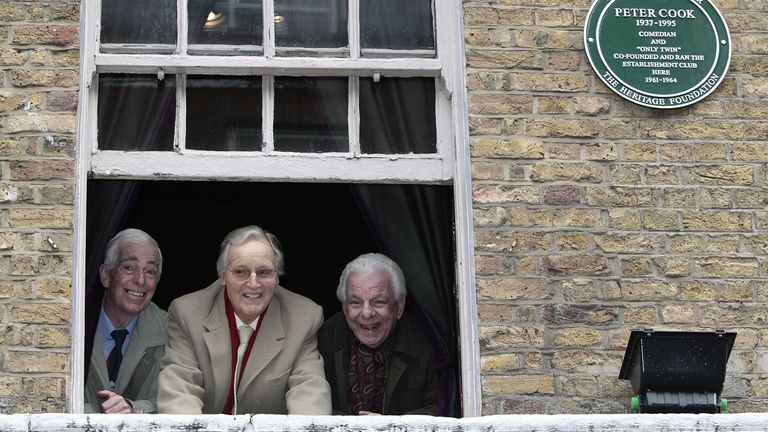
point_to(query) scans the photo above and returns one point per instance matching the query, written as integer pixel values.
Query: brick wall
(595, 216)
(39, 59)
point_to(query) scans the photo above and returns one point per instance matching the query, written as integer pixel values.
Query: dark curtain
(397, 115)
(102, 225)
(401, 216)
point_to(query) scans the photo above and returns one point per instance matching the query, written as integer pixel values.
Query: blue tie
(116, 356)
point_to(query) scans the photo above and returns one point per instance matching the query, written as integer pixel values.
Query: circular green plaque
(658, 53)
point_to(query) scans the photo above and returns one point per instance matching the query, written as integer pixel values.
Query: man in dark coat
(377, 359)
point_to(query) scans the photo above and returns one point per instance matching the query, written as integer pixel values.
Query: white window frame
(451, 163)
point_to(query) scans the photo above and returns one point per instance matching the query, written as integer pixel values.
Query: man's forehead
(369, 277)
(376, 283)
(131, 257)
(374, 290)
(253, 246)
(137, 251)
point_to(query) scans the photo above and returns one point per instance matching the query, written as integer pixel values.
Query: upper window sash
(349, 166)
(348, 28)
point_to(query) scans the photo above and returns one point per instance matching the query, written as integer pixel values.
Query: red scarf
(235, 340)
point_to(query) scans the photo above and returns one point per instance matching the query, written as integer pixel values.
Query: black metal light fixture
(677, 372)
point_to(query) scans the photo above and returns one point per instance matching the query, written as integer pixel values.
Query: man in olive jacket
(377, 359)
(130, 274)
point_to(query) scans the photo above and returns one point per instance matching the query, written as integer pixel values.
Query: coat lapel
(143, 338)
(218, 342)
(98, 365)
(342, 382)
(268, 343)
(341, 352)
(394, 374)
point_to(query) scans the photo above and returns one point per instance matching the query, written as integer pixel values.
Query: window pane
(138, 21)
(396, 24)
(136, 112)
(397, 115)
(229, 22)
(311, 115)
(224, 113)
(311, 23)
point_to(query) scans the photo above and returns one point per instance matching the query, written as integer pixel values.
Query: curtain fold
(400, 216)
(105, 218)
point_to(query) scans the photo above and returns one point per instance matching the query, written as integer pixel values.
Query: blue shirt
(105, 328)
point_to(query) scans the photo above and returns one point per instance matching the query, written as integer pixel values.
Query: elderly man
(244, 344)
(377, 359)
(130, 336)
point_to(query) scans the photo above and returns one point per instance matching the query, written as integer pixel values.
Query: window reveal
(277, 90)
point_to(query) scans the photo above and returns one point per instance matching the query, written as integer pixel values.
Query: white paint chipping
(278, 423)
(34, 113)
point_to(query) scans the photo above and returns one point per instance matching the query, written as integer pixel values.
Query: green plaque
(658, 53)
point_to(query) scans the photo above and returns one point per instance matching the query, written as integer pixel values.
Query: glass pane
(311, 23)
(396, 24)
(229, 22)
(136, 112)
(311, 115)
(224, 113)
(138, 21)
(397, 115)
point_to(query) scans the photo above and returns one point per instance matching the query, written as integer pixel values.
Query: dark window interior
(233, 122)
(138, 21)
(136, 112)
(396, 24)
(321, 228)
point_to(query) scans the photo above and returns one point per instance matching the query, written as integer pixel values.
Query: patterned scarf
(368, 375)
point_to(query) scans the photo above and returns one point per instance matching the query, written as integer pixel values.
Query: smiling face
(250, 278)
(131, 284)
(371, 309)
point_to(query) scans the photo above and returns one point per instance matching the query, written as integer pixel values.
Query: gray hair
(240, 236)
(368, 264)
(129, 235)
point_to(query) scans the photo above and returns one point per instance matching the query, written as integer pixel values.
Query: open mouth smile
(135, 293)
(253, 296)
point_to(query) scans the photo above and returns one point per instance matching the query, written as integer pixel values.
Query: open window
(336, 124)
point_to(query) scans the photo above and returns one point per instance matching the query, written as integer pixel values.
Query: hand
(367, 413)
(114, 403)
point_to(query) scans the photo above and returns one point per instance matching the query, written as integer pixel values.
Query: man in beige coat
(281, 371)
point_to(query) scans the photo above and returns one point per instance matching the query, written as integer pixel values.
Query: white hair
(129, 235)
(370, 263)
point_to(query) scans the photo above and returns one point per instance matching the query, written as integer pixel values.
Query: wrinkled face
(250, 278)
(371, 309)
(132, 283)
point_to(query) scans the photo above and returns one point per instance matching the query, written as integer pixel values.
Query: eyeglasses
(131, 269)
(242, 274)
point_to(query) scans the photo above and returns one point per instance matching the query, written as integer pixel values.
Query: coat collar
(217, 341)
(145, 336)
(268, 344)
(403, 347)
